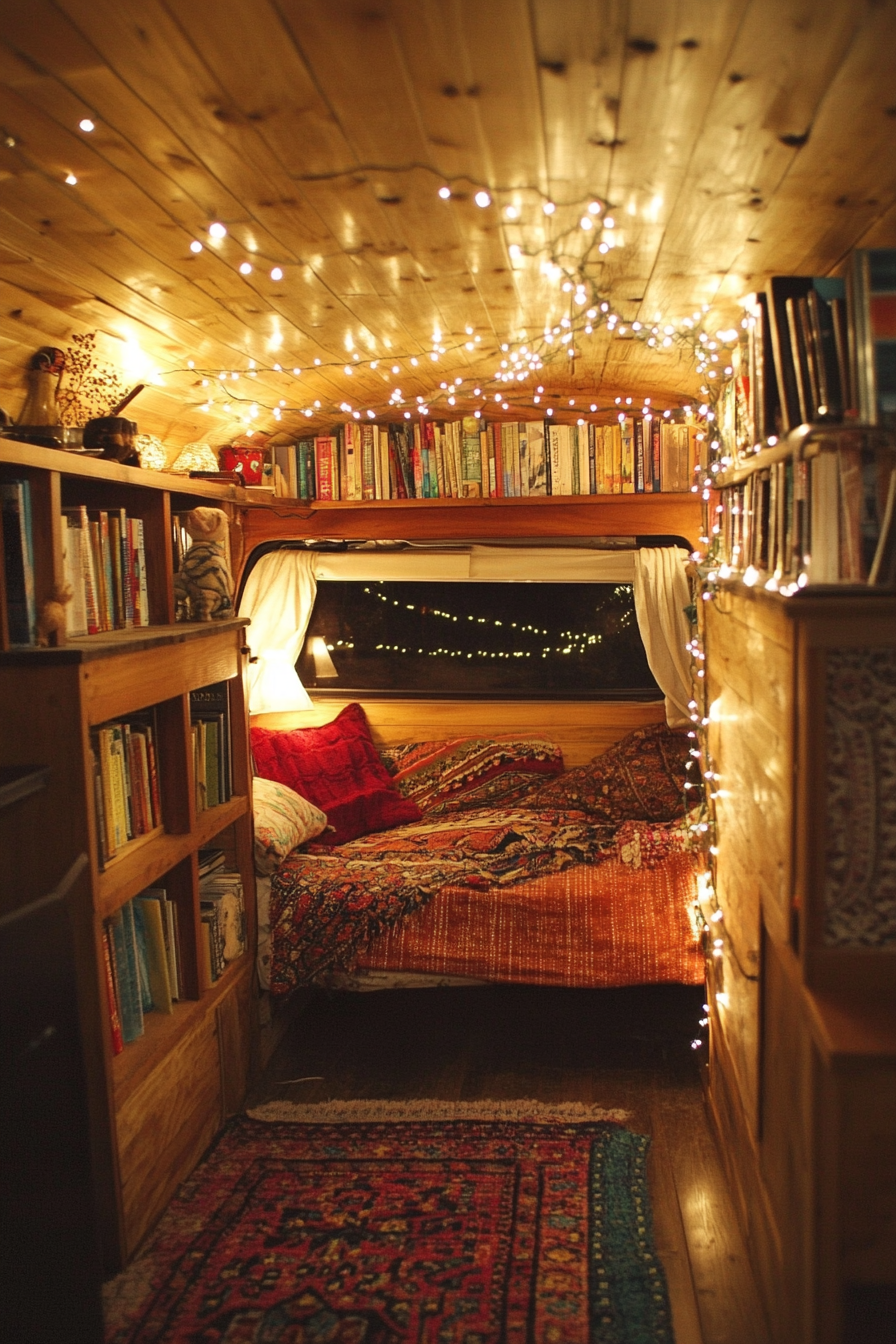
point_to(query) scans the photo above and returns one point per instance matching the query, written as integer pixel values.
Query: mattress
(587, 926)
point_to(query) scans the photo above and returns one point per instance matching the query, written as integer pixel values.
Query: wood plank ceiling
(726, 140)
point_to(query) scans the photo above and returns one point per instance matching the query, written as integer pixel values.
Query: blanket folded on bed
(326, 905)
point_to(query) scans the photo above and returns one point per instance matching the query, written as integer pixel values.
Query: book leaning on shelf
(141, 959)
(470, 458)
(127, 797)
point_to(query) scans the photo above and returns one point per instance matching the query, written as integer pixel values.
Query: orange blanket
(585, 927)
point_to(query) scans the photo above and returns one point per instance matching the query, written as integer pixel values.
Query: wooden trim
(583, 729)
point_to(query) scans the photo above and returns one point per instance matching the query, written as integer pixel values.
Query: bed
(486, 861)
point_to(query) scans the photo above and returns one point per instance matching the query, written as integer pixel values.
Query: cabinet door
(165, 1126)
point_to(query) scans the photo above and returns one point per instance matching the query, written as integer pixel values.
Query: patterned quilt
(326, 904)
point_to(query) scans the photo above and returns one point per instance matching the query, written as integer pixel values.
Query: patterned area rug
(364, 1224)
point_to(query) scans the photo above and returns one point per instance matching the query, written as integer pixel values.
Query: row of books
(18, 562)
(142, 957)
(142, 947)
(823, 518)
(818, 349)
(469, 458)
(210, 741)
(104, 559)
(222, 919)
(127, 796)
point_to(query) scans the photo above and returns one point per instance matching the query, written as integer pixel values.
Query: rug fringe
(359, 1111)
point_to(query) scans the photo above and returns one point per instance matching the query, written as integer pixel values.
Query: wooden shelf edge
(148, 858)
(17, 453)
(162, 1031)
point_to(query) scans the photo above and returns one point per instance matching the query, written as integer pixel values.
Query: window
(482, 639)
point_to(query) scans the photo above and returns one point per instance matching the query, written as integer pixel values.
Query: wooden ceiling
(727, 139)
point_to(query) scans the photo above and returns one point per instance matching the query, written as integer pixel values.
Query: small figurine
(203, 581)
(51, 617)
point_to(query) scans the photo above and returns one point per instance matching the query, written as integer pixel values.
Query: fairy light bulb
(276, 273)
(586, 222)
(71, 180)
(512, 212)
(217, 230)
(445, 193)
(549, 207)
(482, 199)
(594, 208)
(245, 268)
(85, 124)
(195, 246)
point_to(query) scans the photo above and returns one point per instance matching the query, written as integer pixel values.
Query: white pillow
(283, 820)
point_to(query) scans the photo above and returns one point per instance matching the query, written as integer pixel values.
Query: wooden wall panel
(582, 729)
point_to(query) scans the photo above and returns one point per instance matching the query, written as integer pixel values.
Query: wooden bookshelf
(144, 1116)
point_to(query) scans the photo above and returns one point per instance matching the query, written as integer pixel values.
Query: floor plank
(627, 1048)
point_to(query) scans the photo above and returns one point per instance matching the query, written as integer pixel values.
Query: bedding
(337, 768)
(582, 879)
(465, 773)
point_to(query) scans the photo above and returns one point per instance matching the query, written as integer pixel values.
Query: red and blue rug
(469, 1229)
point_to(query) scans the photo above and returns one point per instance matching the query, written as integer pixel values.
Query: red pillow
(337, 768)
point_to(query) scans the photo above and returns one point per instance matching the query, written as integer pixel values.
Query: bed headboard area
(582, 729)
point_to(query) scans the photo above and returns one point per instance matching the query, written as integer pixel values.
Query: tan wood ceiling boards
(727, 139)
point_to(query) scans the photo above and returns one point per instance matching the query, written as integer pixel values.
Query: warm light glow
(72, 180)
(276, 273)
(195, 246)
(549, 207)
(245, 268)
(86, 124)
(482, 199)
(217, 230)
(444, 192)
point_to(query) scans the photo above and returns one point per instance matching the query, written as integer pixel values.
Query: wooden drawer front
(165, 1126)
(118, 685)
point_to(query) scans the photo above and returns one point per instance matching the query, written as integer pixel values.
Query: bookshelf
(156, 1105)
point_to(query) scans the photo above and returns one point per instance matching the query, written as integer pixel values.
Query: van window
(505, 640)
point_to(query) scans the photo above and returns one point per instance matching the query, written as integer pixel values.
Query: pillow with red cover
(470, 772)
(337, 768)
(640, 778)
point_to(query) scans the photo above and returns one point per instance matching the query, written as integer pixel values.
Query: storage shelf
(162, 1031)
(20, 454)
(146, 859)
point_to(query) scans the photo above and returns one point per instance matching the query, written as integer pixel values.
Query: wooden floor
(627, 1047)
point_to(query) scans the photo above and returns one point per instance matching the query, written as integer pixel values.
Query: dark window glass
(503, 639)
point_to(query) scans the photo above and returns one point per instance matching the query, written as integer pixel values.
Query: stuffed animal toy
(203, 580)
(51, 617)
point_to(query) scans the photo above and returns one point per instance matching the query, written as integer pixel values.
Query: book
(127, 977)
(18, 559)
(471, 459)
(535, 453)
(148, 910)
(627, 457)
(871, 297)
(111, 995)
(212, 703)
(73, 570)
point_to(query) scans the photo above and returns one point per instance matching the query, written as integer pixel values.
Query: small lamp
(324, 666)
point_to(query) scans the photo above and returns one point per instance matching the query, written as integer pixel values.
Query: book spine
(592, 459)
(111, 995)
(471, 459)
(639, 455)
(19, 562)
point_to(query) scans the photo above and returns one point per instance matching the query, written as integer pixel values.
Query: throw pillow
(283, 821)
(337, 768)
(471, 772)
(640, 778)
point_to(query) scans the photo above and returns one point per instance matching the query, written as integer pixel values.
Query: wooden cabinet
(155, 1106)
(802, 736)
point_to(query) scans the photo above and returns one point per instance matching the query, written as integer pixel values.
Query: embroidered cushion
(337, 768)
(640, 778)
(283, 821)
(470, 772)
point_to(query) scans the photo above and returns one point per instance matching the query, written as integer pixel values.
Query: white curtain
(662, 592)
(278, 598)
